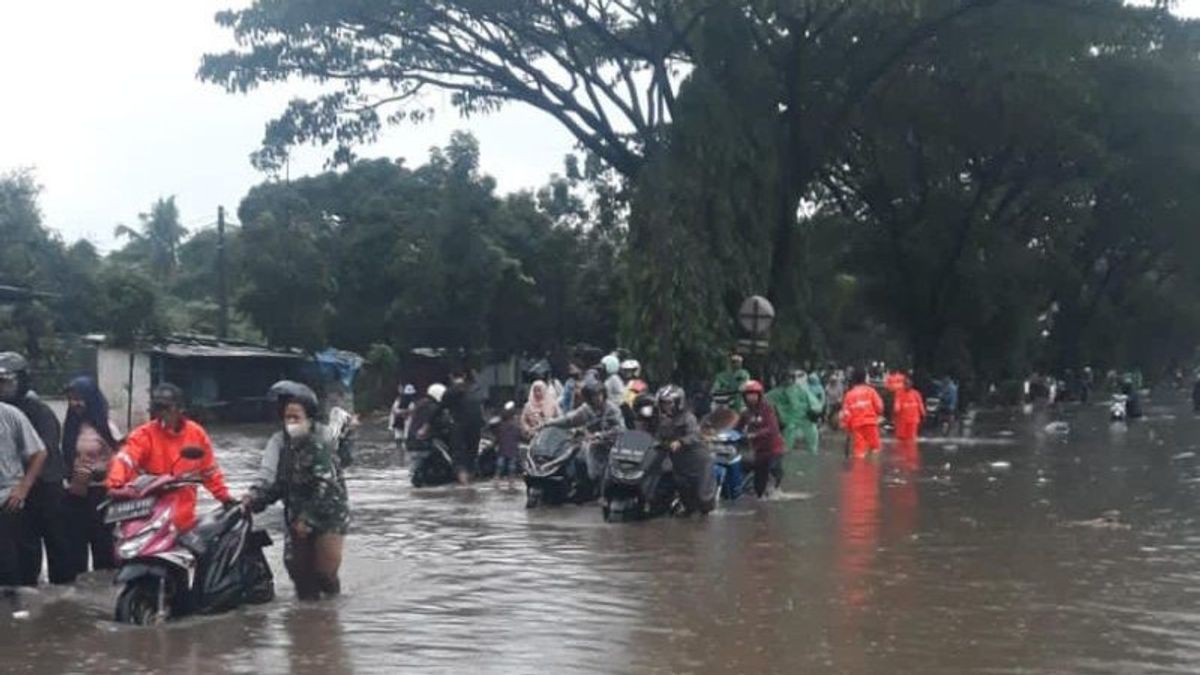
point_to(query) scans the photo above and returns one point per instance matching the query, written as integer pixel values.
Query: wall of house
(113, 376)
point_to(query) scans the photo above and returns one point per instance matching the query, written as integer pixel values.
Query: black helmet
(670, 399)
(594, 392)
(12, 363)
(284, 392)
(166, 395)
(643, 406)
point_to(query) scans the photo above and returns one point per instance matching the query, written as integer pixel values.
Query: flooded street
(1016, 550)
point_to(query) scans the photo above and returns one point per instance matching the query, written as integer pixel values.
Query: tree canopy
(983, 186)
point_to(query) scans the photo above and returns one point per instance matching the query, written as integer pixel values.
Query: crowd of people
(55, 477)
(789, 416)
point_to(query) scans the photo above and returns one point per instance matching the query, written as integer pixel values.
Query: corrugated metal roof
(219, 350)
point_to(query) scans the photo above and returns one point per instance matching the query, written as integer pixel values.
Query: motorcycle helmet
(595, 394)
(436, 392)
(611, 364)
(670, 400)
(631, 366)
(753, 387)
(14, 376)
(284, 392)
(637, 387)
(12, 363)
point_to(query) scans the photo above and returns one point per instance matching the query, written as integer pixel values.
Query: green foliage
(383, 254)
(132, 306)
(155, 244)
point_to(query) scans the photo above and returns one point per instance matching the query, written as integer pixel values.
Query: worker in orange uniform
(860, 415)
(908, 410)
(157, 448)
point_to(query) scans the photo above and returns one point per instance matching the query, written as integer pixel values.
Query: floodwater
(1014, 551)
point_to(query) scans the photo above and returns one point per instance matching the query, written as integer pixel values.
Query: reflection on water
(981, 554)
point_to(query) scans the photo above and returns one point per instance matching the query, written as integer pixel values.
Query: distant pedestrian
(508, 446)
(727, 386)
(401, 418)
(835, 391)
(860, 415)
(572, 396)
(908, 410)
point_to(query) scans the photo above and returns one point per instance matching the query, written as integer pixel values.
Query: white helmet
(436, 392)
(611, 364)
(631, 365)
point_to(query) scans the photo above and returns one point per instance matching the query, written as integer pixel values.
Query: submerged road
(1012, 551)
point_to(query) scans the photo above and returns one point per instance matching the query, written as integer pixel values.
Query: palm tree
(159, 236)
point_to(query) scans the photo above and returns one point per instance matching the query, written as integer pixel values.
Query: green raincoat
(794, 403)
(730, 382)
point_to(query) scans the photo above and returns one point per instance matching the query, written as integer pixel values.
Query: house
(225, 380)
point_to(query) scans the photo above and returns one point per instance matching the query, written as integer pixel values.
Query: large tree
(427, 256)
(608, 71)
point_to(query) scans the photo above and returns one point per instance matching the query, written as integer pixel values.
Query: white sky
(100, 99)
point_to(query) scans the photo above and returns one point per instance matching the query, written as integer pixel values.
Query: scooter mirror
(192, 453)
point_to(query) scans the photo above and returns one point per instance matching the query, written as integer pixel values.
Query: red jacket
(861, 407)
(763, 425)
(908, 406)
(154, 450)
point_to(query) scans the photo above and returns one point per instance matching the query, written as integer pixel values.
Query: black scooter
(550, 467)
(638, 483)
(432, 464)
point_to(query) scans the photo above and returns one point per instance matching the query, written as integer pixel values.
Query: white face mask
(297, 430)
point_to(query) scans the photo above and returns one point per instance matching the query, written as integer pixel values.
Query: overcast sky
(101, 100)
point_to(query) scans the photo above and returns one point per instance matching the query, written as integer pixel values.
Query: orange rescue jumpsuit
(860, 417)
(154, 450)
(908, 409)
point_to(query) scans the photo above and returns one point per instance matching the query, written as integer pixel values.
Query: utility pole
(222, 284)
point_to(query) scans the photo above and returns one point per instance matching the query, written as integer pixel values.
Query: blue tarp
(340, 365)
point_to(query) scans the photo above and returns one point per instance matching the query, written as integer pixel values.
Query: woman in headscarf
(88, 443)
(539, 409)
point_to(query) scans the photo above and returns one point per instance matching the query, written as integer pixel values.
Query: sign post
(756, 316)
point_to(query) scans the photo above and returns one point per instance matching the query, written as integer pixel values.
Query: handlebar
(128, 491)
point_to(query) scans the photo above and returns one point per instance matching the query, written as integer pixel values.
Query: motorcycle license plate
(135, 508)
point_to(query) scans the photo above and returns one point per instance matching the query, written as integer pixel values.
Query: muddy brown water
(1013, 551)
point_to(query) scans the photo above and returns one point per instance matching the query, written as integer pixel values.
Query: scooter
(551, 468)
(215, 567)
(638, 483)
(729, 474)
(432, 464)
(1118, 408)
(725, 442)
(485, 459)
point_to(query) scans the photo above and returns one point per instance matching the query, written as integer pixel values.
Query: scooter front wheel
(533, 497)
(138, 603)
